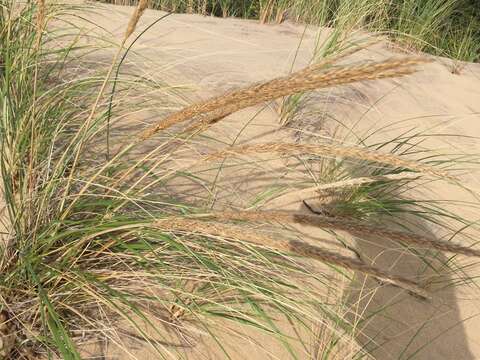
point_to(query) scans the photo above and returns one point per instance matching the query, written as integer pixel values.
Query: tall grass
(435, 26)
(98, 250)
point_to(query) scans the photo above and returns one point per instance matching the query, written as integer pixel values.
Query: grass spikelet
(310, 78)
(41, 13)
(331, 150)
(294, 246)
(137, 14)
(353, 227)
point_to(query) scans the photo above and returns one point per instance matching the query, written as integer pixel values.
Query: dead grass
(90, 249)
(344, 224)
(333, 151)
(132, 24)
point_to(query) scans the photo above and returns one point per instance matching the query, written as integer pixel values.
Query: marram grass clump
(97, 251)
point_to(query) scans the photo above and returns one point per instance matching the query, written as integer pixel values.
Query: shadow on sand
(392, 324)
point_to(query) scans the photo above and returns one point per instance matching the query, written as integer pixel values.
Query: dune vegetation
(448, 28)
(97, 247)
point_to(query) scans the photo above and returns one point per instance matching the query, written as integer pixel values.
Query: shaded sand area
(205, 56)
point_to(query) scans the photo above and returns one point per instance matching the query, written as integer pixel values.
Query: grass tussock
(345, 224)
(97, 250)
(293, 246)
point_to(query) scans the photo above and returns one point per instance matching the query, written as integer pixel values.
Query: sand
(205, 56)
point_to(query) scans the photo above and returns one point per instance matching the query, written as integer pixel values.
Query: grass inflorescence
(448, 28)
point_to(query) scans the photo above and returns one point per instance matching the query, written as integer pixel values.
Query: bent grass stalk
(107, 257)
(294, 246)
(309, 78)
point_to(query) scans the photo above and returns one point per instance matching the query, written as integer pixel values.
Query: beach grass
(96, 249)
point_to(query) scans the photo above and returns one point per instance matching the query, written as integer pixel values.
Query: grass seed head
(310, 78)
(137, 14)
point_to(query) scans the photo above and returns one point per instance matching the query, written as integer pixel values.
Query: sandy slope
(208, 56)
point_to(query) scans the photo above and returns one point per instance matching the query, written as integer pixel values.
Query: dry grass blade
(307, 79)
(137, 14)
(7, 335)
(331, 150)
(294, 246)
(88, 261)
(343, 224)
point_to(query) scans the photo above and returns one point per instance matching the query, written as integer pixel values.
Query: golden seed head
(137, 14)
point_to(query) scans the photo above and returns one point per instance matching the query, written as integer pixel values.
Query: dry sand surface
(207, 56)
